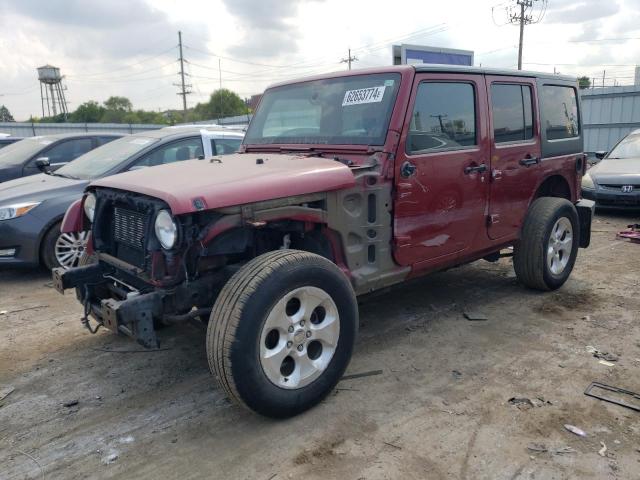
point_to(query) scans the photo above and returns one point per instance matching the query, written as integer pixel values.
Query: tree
(222, 103)
(88, 112)
(584, 82)
(5, 114)
(119, 104)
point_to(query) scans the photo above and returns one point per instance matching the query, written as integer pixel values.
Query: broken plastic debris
(537, 447)
(575, 430)
(603, 451)
(606, 364)
(112, 457)
(475, 316)
(5, 392)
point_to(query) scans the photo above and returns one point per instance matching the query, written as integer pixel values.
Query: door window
(560, 112)
(444, 118)
(68, 150)
(223, 146)
(512, 113)
(184, 149)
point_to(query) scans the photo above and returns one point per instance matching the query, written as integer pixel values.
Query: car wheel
(281, 333)
(63, 249)
(544, 257)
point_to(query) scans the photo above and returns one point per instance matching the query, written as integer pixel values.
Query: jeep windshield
(353, 110)
(100, 161)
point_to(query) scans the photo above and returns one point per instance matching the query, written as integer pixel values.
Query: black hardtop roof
(492, 71)
(430, 68)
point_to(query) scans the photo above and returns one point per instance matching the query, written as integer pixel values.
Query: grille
(129, 228)
(618, 186)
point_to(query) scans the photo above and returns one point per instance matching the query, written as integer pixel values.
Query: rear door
(515, 152)
(442, 169)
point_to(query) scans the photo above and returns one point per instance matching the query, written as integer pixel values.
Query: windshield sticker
(139, 141)
(389, 83)
(363, 95)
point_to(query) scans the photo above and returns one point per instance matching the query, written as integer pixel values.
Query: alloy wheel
(299, 337)
(69, 247)
(560, 246)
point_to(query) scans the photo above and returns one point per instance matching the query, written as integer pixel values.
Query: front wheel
(282, 331)
(546, 253)
(63, 249)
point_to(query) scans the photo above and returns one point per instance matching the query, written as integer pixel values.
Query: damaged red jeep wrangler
(345, 184)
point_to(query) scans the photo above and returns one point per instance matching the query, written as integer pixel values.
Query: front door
(515, 152)
(442, 170)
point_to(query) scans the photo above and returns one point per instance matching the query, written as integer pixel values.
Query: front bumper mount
(132, 316)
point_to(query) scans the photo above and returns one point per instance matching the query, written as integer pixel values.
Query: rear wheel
(282, 331)
(63, 249)
(546, 253)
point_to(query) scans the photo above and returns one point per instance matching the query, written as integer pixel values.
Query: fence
(28, 129)
(608, 114)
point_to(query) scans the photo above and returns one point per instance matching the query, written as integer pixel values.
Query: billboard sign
(418, 54)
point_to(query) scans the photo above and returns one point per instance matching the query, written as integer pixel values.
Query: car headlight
(17, 210)
(90, 206)
(587, 182)
(166, 229)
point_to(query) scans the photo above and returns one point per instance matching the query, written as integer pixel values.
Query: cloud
(566, 11)
(118, 29)
(268, 25)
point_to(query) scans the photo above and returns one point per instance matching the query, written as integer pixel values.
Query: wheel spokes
(299, 337)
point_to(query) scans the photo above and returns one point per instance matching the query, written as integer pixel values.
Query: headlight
(17, 210)
(587, 182)
(166, 229)
(90, 206)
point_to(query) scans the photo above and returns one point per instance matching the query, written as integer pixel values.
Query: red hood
(238, 180)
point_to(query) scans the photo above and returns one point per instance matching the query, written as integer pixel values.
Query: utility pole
(349, 59)
(524, 9)
(183, 87)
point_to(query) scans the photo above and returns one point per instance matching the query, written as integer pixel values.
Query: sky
(130, 47)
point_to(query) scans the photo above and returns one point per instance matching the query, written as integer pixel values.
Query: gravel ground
(439, 410)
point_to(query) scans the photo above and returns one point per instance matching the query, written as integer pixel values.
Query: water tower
(52, 91)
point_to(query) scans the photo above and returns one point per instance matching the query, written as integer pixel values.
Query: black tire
(241, 310)
(47, 251)
(530, 254)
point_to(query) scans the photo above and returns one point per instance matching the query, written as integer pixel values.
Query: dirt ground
(439, 410)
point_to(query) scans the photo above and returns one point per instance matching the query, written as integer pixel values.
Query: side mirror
(43, 164)
(600, 155)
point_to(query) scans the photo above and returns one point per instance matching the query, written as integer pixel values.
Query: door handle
(408, 169)
(529, 160)
(476, 169)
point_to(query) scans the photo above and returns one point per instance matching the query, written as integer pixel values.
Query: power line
(125, 67)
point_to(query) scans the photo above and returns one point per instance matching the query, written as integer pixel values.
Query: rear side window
(560, 112)
(102, 140)
(444, 117)
(512, 112)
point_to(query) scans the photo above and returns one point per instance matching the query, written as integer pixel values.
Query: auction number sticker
(363, 95)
